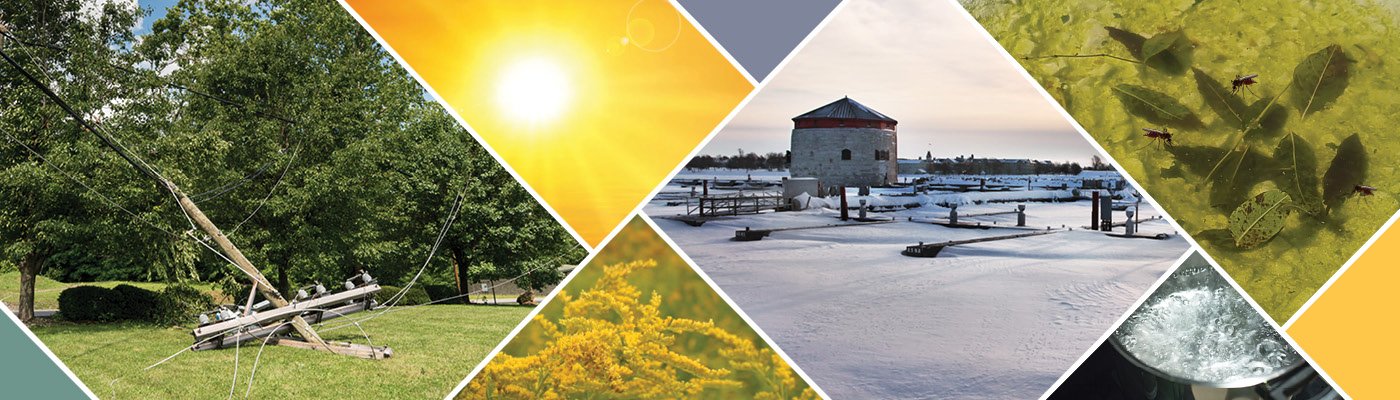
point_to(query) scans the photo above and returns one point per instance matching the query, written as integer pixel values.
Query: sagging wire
(270, 192)
(389, 309)
(95, 192)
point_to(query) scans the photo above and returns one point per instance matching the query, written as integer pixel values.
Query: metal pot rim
(1238, 383)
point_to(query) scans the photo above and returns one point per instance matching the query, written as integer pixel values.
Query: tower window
(846, 154)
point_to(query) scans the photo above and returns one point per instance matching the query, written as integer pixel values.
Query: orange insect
(1242, 81)
(1159, 134)
(1363, 190)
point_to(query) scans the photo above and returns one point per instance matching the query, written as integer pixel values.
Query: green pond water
(1283, 155)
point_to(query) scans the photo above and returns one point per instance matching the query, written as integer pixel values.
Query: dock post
(1020, 215)
(1106, 213)
(1128, 227)
(953, 214)
(845, 214)
(1094, 212)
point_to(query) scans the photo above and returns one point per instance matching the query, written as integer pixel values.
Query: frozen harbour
(989, 320)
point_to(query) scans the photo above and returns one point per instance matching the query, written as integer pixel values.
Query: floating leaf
(1156, 107)
(1169, 52)
(1130, 40)
(1259, 219)
(1226, 103)
(1231, 174)
(1195, 159)
(1348, 169)
(1298, 172)
(1320, 79)
(1266, 119)
(1239, 172)
(1214, 237)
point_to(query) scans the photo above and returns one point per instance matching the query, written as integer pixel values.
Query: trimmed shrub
(181, 304)
(415, 296)
(134, 304)
(88, 304)
(439, 292)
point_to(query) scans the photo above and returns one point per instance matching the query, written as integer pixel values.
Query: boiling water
(1205, 334)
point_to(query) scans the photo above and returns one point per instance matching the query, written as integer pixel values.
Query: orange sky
(642, 89)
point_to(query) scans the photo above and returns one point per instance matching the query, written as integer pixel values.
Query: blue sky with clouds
(157, 9)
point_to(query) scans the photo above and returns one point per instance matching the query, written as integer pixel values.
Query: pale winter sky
(921, 62)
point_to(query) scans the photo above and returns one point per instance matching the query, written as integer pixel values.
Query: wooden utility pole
(259, 281)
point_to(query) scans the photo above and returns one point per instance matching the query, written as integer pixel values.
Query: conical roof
(845, 108)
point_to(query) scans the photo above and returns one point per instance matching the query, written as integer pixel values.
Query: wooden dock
(930, 250)
(749, 235)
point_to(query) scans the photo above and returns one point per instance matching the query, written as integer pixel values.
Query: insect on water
(1363, 190)
(1158, 134)
(1242, 81)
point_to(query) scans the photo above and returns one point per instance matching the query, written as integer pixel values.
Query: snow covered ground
(998, 319)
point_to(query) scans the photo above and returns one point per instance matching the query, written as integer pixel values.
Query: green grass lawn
(434, 348)
(46, 290)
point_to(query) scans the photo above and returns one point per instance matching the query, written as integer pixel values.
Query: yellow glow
(641, 88)
(1350, 330)
(534, 90)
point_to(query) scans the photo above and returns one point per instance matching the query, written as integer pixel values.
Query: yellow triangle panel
(637, 322)
(592, 103)
(1350, 329)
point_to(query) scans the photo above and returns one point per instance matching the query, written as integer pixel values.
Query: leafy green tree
(295, 132)
(47, 161)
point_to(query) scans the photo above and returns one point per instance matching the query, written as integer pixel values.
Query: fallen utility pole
(309, 337)
(263, 285)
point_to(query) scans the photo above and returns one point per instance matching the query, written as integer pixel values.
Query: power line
(228, 187)
(99, 194)
(140, 166)
(270, 192)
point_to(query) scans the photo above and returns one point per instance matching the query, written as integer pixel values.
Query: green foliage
(362, 179)
(180, 304)
(45, 157)
(439, 292)
(175, 305)
(430, 346)
(416, 295)
(88, 304)
(135, 304)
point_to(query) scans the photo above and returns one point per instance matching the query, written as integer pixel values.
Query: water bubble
(1203, 331)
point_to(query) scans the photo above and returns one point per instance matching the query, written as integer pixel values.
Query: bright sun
(533, 90)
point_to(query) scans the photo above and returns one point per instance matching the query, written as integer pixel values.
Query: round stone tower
(845, 143)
